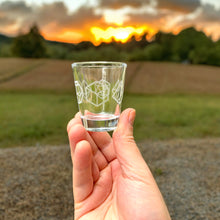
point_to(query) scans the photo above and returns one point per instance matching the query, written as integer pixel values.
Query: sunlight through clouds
(73, 21)
(119, 34)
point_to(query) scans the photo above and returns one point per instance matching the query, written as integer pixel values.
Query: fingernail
(132, 117)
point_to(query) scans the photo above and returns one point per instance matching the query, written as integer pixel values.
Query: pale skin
(111, 180)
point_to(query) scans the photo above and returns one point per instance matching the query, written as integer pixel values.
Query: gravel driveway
(36, 181)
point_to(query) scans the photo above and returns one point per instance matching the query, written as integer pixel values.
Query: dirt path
(37, 180)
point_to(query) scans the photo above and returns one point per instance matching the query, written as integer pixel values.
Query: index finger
(102, 140)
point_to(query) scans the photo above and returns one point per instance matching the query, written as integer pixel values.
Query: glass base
(99, 123)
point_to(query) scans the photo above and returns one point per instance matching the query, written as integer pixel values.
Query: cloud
(15, 7)
(205, 18)
(152, 12)
(10, 13)
(175, 15)
(122, 3)
(57, 12)
(53, 17)
(210, 13)
(208, 20)
(146, 16)
(203, 15)
(4, 21)
(179, 5)
(176, 5)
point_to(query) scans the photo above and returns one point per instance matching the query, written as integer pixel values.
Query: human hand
(110, 177)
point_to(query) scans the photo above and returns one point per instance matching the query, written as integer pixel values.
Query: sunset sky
(100, 20)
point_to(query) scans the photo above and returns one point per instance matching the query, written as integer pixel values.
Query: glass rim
(99, 64)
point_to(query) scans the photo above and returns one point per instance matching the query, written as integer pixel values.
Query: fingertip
(125, 126)
(82, 144)
(127, 118)
(127, 112)
(77, 115)
(70, 124)
(83, 154)
(76, 133)
(73, 121)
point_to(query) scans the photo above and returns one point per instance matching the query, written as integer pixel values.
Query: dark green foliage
(152, 52)
(30, 45)
(5, 39)
(188, 40)
(166, 42)
(206, 55)
(5, 44)
(190, 46)
(84, 45)
(5, 50)
(213, 56)
(108, 53)
(57, 51)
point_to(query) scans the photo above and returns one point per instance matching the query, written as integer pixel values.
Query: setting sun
(120, 34)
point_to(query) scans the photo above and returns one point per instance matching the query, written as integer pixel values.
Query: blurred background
(172, 48)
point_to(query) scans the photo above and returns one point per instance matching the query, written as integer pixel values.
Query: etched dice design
(117, 92)
(79, 92)
(97, 93)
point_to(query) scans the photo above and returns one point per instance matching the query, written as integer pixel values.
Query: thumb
(126, 149)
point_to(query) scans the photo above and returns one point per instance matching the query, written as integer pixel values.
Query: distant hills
(5, 39)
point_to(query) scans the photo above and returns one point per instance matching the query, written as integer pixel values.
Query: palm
(109, 187)
(104, 203)
(111, 190)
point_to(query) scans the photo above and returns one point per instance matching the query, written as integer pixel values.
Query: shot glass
(99, 90)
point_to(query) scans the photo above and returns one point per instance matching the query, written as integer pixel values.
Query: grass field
(172, 101)
(41, 118)
(32, 119)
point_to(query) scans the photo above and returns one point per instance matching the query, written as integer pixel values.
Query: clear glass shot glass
(99, 90)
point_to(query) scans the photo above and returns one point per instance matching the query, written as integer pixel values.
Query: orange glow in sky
(98, 35)
(119, 34)
(66, 36)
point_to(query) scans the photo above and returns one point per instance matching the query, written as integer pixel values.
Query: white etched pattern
(97, 93)
(117, 92)
(79, 92)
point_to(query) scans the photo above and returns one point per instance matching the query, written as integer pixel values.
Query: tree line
(189, 46)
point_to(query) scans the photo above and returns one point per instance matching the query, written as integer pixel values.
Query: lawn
(32, 119)
(175, 116)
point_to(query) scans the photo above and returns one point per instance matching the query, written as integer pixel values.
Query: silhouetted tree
(84, 45)
(143, 42)
(188, 40)
(30, 45)
(130, 45)
(166, 40)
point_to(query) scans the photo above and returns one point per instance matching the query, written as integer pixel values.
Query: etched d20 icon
(79, 92)
(117, 92)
